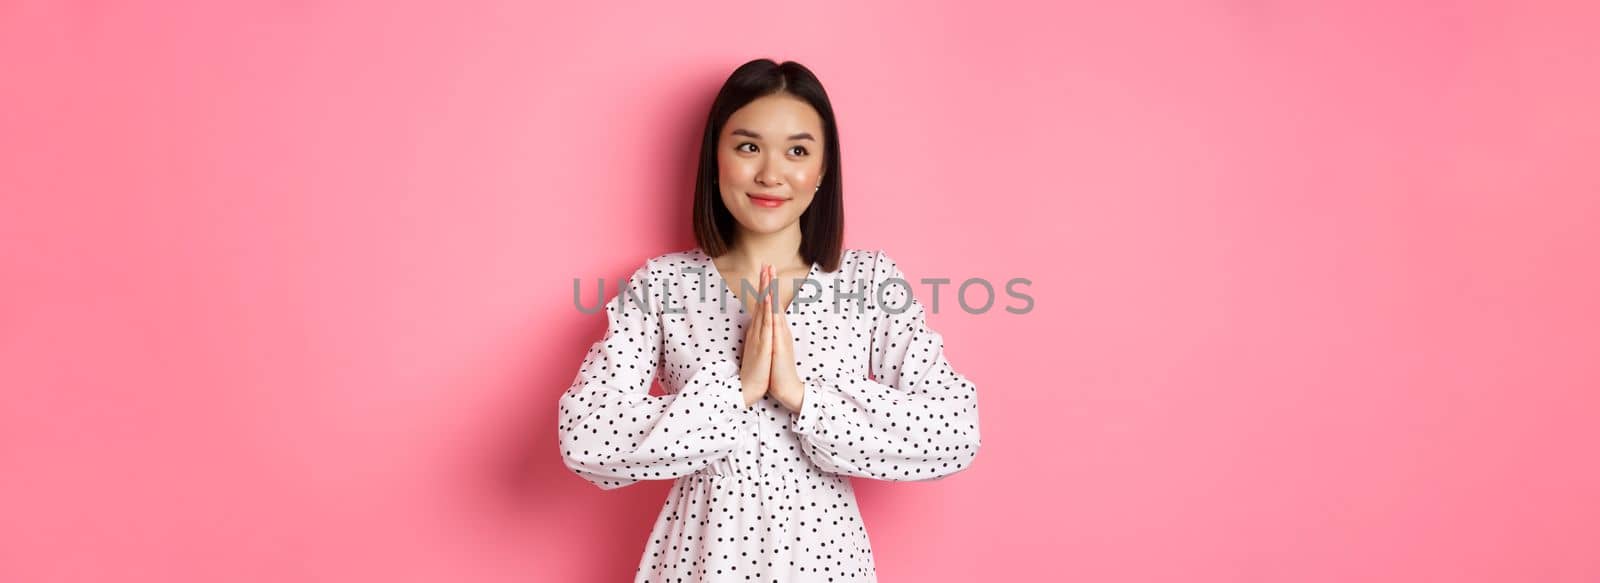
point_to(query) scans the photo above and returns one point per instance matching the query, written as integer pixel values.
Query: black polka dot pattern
(761, 493)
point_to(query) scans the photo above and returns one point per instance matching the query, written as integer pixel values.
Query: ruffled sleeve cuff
(820, 398)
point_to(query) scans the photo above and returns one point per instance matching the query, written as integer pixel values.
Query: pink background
(287, 287)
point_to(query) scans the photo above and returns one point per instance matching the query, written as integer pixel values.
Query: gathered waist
(794, 472)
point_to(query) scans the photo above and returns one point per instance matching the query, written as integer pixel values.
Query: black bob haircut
(822, 224)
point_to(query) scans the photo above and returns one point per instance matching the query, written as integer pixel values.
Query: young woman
(776, 398)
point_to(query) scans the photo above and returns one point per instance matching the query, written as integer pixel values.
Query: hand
(755, 367)
(786, 385)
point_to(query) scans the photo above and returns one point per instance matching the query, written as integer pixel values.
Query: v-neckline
(723, 281)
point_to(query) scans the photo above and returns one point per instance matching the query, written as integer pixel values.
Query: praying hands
(768, 364)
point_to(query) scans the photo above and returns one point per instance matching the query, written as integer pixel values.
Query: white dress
(761, 493)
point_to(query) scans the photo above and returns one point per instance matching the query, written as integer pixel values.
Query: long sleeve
(613, 433)
(917, 419)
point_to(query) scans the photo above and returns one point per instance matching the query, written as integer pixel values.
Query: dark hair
(822, 223)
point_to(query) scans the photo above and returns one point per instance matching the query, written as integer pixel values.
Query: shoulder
(871, 269)
(652, 279)
(873, 264)
(673, 263)
(668, 264)
(675, 271)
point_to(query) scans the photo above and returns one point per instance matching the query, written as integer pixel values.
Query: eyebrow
(799, 136)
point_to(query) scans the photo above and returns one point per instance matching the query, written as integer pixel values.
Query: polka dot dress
(761, 493)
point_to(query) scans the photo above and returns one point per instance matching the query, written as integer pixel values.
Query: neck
(780, 249)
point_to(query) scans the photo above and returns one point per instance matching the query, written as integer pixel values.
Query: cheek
(732, 167)
(732, 197)
(810, 172)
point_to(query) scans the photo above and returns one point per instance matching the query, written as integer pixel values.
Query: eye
(741, 146)
(802, 150)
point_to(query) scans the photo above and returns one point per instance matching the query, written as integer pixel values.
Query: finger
(759, 331)
(755, 338)
(761, 301)
(755, 302)
(772, 276)
(766, 280)
(761, 310)
(772, 303)
(768, 322)
(777, 335)
(785, 336)
(762, 290)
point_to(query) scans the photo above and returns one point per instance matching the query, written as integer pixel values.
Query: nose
(768, 175)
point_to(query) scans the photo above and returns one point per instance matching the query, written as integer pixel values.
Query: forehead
(776, 115)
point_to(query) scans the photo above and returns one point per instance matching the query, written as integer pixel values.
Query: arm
(918, 420)
(613, 433)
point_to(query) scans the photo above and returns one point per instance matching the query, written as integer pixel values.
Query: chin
(767, 225)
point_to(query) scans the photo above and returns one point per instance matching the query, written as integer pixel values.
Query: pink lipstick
(766, 200)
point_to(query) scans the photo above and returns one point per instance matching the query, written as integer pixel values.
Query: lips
(766, 200)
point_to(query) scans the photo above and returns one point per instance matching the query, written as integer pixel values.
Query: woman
(769, 410)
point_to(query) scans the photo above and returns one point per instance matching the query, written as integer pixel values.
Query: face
(769, 162)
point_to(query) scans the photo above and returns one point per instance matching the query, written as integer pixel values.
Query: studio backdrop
(287, 289)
